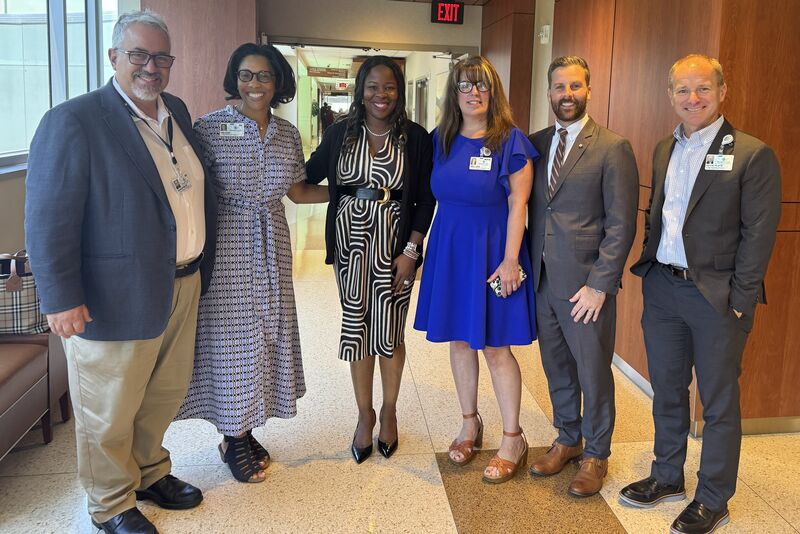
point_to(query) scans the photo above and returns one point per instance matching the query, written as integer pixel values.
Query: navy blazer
(98, 226)
(731, 222)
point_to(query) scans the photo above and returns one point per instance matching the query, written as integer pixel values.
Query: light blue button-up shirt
(685, 163)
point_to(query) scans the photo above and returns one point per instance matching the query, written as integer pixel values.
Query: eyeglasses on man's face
(465, 86)
(137, 57)
(263, 76)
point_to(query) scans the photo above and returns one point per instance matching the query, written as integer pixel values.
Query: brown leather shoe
(589, 478)
(554, 460)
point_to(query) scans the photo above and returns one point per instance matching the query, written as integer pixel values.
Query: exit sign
(447, 12)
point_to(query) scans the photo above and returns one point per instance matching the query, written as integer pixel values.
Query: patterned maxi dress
(248, 366)
(373, 319)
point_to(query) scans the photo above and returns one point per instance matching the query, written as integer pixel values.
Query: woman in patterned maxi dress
(247, 365)
(378, 164)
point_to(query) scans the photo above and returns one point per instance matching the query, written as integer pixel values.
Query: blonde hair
(499, 121)
(715, 64)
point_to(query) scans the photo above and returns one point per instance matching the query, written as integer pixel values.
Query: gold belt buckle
(387, 195)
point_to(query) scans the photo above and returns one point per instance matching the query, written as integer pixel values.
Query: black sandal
(259, 452)
(240, 459)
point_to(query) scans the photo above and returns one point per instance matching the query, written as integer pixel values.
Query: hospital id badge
(477, 163)
(180, 182)
(719, 162)
(231, 129)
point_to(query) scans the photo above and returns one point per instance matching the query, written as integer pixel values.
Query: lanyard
(166, 142)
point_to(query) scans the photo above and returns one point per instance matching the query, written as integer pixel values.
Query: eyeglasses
(465, 86)
(162, 61)
(263, 76)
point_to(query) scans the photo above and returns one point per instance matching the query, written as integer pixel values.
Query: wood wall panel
(761, 73)
(630, 338)
(204, 34)
(648, 37)
(770, 366)
(507, 41)
(593, 40)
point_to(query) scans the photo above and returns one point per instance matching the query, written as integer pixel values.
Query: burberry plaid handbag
(19, 300)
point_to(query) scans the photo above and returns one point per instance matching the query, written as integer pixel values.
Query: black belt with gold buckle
(190, 268)
(678, 272)
(380, 194)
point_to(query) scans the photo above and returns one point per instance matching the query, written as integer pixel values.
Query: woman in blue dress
(482, 177)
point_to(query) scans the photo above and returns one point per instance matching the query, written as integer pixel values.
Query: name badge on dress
(180, 182)
(231, 129)
(477, 163)
(719, 162)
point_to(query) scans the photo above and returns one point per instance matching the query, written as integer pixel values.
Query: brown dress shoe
(555, 459)
(589, 478)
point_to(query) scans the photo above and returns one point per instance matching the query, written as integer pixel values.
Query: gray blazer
(98, 226)
(730, 224)
(587, 228)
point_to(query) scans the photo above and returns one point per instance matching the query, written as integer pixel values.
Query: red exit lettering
(448, 12)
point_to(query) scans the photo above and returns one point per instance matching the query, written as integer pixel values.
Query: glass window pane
(24, 72)
(77, 70)
(111, 12)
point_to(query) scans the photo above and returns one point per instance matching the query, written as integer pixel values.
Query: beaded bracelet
(411, 250)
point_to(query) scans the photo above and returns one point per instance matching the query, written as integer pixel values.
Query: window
(50, 50)
(24, 73)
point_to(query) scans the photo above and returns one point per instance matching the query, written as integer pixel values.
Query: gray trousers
(577, 361)
(681, 330)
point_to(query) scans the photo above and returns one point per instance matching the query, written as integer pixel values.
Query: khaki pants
(125, 394)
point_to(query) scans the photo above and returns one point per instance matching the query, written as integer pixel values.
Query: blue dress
(467, 243)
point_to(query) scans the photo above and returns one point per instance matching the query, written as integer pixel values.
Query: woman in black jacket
(378, 166)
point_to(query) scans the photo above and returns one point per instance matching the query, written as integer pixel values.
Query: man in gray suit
(582, 221)
(709, 232)
(119, 217)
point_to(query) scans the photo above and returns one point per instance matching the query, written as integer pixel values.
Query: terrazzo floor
(314, 486)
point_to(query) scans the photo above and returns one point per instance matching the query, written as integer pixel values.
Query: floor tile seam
(777, 512)
(49, 473)
(421, 405)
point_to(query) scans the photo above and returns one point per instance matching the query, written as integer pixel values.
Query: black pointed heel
(361, 453)
(387, 449)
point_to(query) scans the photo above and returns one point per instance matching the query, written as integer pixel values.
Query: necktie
(557, 161)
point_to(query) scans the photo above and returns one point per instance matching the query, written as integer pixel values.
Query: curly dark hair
(355, 116)
(284, 75)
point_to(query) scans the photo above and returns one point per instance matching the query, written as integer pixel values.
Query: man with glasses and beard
(119, 218)
(582, 221)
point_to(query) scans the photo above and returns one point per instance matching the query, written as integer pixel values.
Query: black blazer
(730, 223)
(416, 208)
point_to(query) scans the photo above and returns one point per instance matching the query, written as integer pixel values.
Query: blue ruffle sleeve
(516, 150)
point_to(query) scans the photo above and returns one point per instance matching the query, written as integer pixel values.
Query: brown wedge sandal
(507, 468)
(468, 447)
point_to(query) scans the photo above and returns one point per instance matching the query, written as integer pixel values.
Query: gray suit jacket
(587, 228)
(98, 226)
(730, 224)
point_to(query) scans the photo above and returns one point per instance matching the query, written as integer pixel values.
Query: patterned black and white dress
(248, 366)
(373, 319)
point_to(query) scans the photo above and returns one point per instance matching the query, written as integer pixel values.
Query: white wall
(382, 24)
(289, 111)
(424, 65)
(542, 55)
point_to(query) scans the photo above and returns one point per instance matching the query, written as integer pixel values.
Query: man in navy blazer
(709, 231)
(119, 218)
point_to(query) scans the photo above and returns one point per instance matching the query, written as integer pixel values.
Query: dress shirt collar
(163, 113)
(705, 136)
(575, 128)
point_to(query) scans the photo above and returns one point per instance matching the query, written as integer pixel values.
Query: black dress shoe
(387, 449)
(649, 492)
(128, 522)
(172, 494)
(697, 519)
